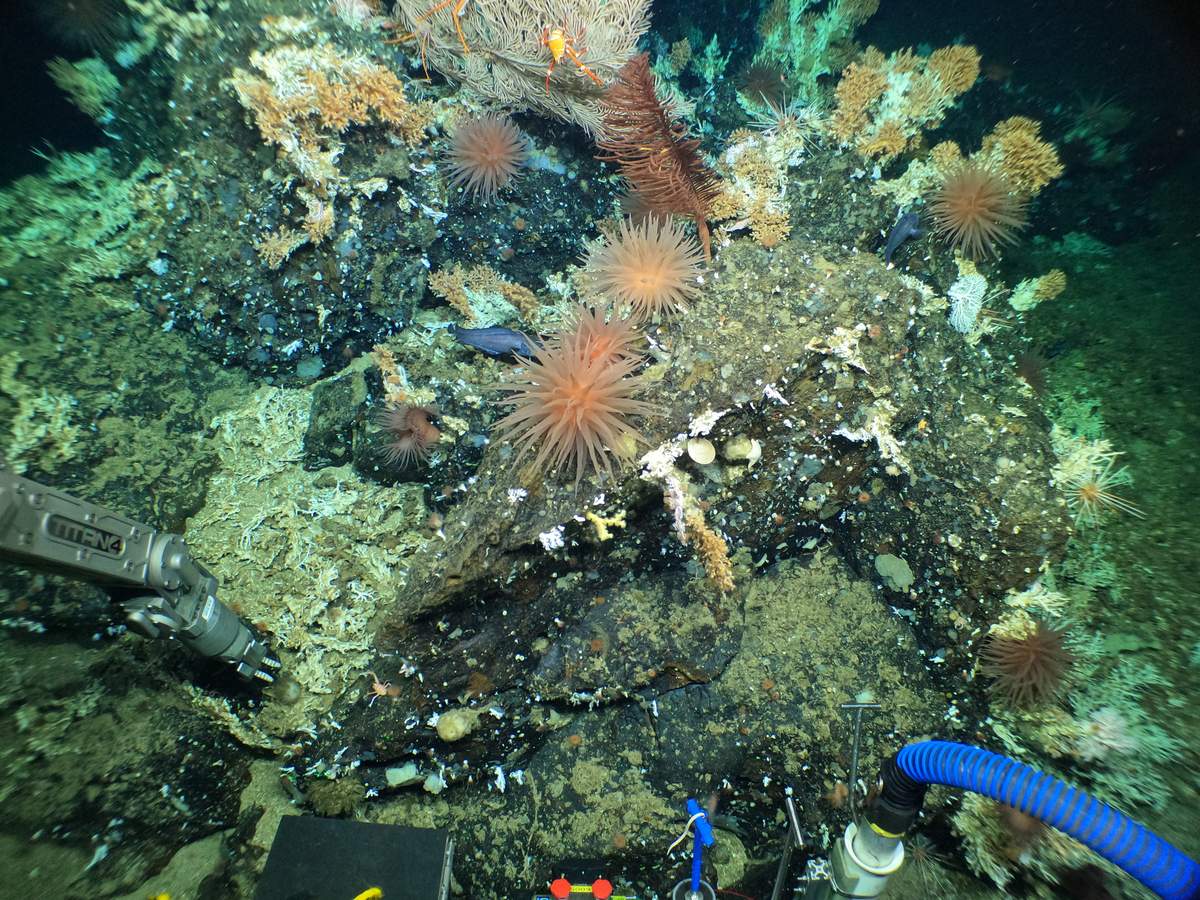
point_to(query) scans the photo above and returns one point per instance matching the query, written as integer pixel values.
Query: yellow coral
(522, 298)
(318, 222)
(451, 285)
(946, 156)
(1017, 149)
(957, 66)
(605, 524)
(303, 98)
(883, 103)
(888, 141)
(712, 550)
(858, 11)
(859, 87)
(389, 371)
(680, 55)
(872, 58)
(926, 98)
(456, 284)
(727, 203)
(754, 166)
(274, 248)
(904, 61)
(1051, 284)
(769, 225)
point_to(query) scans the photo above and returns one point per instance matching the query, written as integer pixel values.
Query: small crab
(381, 689)
(561, 44)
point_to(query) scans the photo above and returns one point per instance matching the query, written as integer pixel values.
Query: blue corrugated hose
(1112, 834)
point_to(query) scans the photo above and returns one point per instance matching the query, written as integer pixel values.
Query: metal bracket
(857, 708)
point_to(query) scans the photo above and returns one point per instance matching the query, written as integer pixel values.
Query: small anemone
(600, 334)
(411, 431)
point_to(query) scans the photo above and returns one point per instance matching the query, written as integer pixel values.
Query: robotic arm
(165, 593)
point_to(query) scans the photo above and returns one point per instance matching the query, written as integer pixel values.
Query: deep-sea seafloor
(841, 496)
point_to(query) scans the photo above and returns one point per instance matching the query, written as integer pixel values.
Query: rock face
(852, 424)
(878, 430)
(837, 492)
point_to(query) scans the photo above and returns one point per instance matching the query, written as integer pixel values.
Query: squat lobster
(561, 44)
(381, 689)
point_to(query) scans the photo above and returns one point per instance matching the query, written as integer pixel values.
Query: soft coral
(643, 137)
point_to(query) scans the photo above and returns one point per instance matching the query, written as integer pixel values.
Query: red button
(602, 889)
(560, 889)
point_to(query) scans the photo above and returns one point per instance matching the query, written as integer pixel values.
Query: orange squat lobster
(560, 45)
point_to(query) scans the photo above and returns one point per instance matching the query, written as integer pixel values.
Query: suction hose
(1148, 858)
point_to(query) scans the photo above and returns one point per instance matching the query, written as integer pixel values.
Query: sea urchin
(1027, 670)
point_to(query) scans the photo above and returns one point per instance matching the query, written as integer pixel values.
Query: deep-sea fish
(496, 341)
(908, 225)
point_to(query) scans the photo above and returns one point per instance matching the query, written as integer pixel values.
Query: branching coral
(687, 515)
(89, 83)
(956, 66)
(755, 168)
(302, 100)
(857, 90)
(1032, 291)
(883, 103)
(807, 40)
(1017, 150)
(712, 550)
(643, 137)
(481, 295)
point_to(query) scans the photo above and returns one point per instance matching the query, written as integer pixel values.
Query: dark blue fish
(908, 225)
(496, 341)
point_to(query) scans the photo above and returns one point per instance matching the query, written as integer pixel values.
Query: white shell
(701, 451)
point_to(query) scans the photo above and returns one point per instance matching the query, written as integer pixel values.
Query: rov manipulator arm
(165, 593)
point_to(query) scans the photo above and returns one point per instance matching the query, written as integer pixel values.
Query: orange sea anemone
(485, 154)
(573, 405)
(651, 266)
(976, 211)
(600, 334)
(412, 433)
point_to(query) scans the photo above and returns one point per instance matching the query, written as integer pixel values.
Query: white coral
(966, 300)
